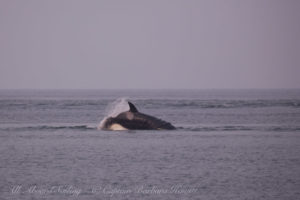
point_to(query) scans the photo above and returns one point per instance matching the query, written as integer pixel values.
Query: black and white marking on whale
(134, 120)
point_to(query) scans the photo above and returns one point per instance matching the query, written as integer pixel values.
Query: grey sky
(149, 44)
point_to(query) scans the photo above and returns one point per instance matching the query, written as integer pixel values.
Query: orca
(134, 120)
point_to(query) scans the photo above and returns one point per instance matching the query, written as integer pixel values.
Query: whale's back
(141, 121)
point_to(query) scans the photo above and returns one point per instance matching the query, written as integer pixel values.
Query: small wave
(50, 128)
(222, 104)
(120, 105)
(241, 128)
(24, 104)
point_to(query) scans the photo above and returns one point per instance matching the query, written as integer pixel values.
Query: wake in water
(113, 109)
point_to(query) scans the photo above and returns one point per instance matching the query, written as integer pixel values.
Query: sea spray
(114, 108)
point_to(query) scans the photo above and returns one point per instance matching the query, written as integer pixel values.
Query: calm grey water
(230, 144)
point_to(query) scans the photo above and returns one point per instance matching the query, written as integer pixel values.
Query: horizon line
(150, 88)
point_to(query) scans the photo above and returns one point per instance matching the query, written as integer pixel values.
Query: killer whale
(134, 120)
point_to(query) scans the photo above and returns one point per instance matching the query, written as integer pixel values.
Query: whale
(135, 120)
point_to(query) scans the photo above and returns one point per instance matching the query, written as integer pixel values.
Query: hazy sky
(149, 44)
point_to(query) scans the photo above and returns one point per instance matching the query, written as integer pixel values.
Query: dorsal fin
(132, 108)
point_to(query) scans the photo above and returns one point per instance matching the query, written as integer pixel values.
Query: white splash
(114, 108)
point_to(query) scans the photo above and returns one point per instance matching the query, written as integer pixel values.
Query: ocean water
(229, 144)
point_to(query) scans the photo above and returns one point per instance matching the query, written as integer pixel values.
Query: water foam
(114, 108)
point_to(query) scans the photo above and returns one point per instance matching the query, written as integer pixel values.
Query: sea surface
(229, 144)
